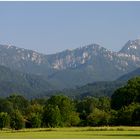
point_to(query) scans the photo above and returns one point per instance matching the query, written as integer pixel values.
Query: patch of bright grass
(73, 132)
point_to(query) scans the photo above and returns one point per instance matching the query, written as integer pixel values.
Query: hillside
(130, 75)
(24, 84)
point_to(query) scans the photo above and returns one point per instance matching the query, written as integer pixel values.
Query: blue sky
(50, 27)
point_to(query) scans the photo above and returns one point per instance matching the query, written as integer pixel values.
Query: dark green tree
(65, 106)
(52, 116)
(34, 115)
(17, 121)
(125, 114)
(35, 120)
(34, 108)
(113, 117)
(98, 117)
(136, 116)
(6, 106)
(4, 120)
(86, 106)
(127, 94)
(19, 103)
(104, 103)
(74, 119)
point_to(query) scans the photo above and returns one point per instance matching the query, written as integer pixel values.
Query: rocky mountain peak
(137, 41)
(132, 47)
(76, 57)
(91, 47)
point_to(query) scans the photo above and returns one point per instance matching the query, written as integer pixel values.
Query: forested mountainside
(25, 84)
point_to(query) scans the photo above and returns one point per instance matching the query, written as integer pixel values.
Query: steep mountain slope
(23, 60)
(25, 84)
(132, 47)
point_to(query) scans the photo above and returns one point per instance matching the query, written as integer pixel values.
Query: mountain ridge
(75, 67)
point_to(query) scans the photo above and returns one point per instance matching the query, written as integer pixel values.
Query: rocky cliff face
(24, 60)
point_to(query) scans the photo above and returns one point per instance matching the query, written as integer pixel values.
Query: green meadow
(73, 132)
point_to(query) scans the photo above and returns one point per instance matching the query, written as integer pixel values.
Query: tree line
(123, 108)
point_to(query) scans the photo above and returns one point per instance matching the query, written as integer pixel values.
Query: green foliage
(74, 119)
(19, 102)
(87, 105)
(34, 115)
(113, 117)
(52, 116)
(6, 106)
(66, 107)
(90, 107)
(104, 103)
(127, 94)
(4, 120)
(98, 117)
(119, 99)
(17, 120)
(35, 120)
(34, 108)
(136, 116)
(125, 114)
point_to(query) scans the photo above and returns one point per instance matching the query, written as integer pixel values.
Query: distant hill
(130, 75)
(32, 86)
(96, 89)
(21, 83)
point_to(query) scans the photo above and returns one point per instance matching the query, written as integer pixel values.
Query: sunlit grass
(73, 132)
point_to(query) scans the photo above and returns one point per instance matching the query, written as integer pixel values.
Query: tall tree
(52, 116)
(66, 107)
(35, 120)
(98, 117)
(6, 106)
(17, 120)
(19, 102)
(4, 120)
(136, 116)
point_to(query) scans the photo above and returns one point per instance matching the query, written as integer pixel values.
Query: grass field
(74, 132)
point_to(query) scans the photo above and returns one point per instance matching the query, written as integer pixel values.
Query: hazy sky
(50, 27)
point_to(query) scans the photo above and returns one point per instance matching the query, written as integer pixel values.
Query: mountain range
(67, 69)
